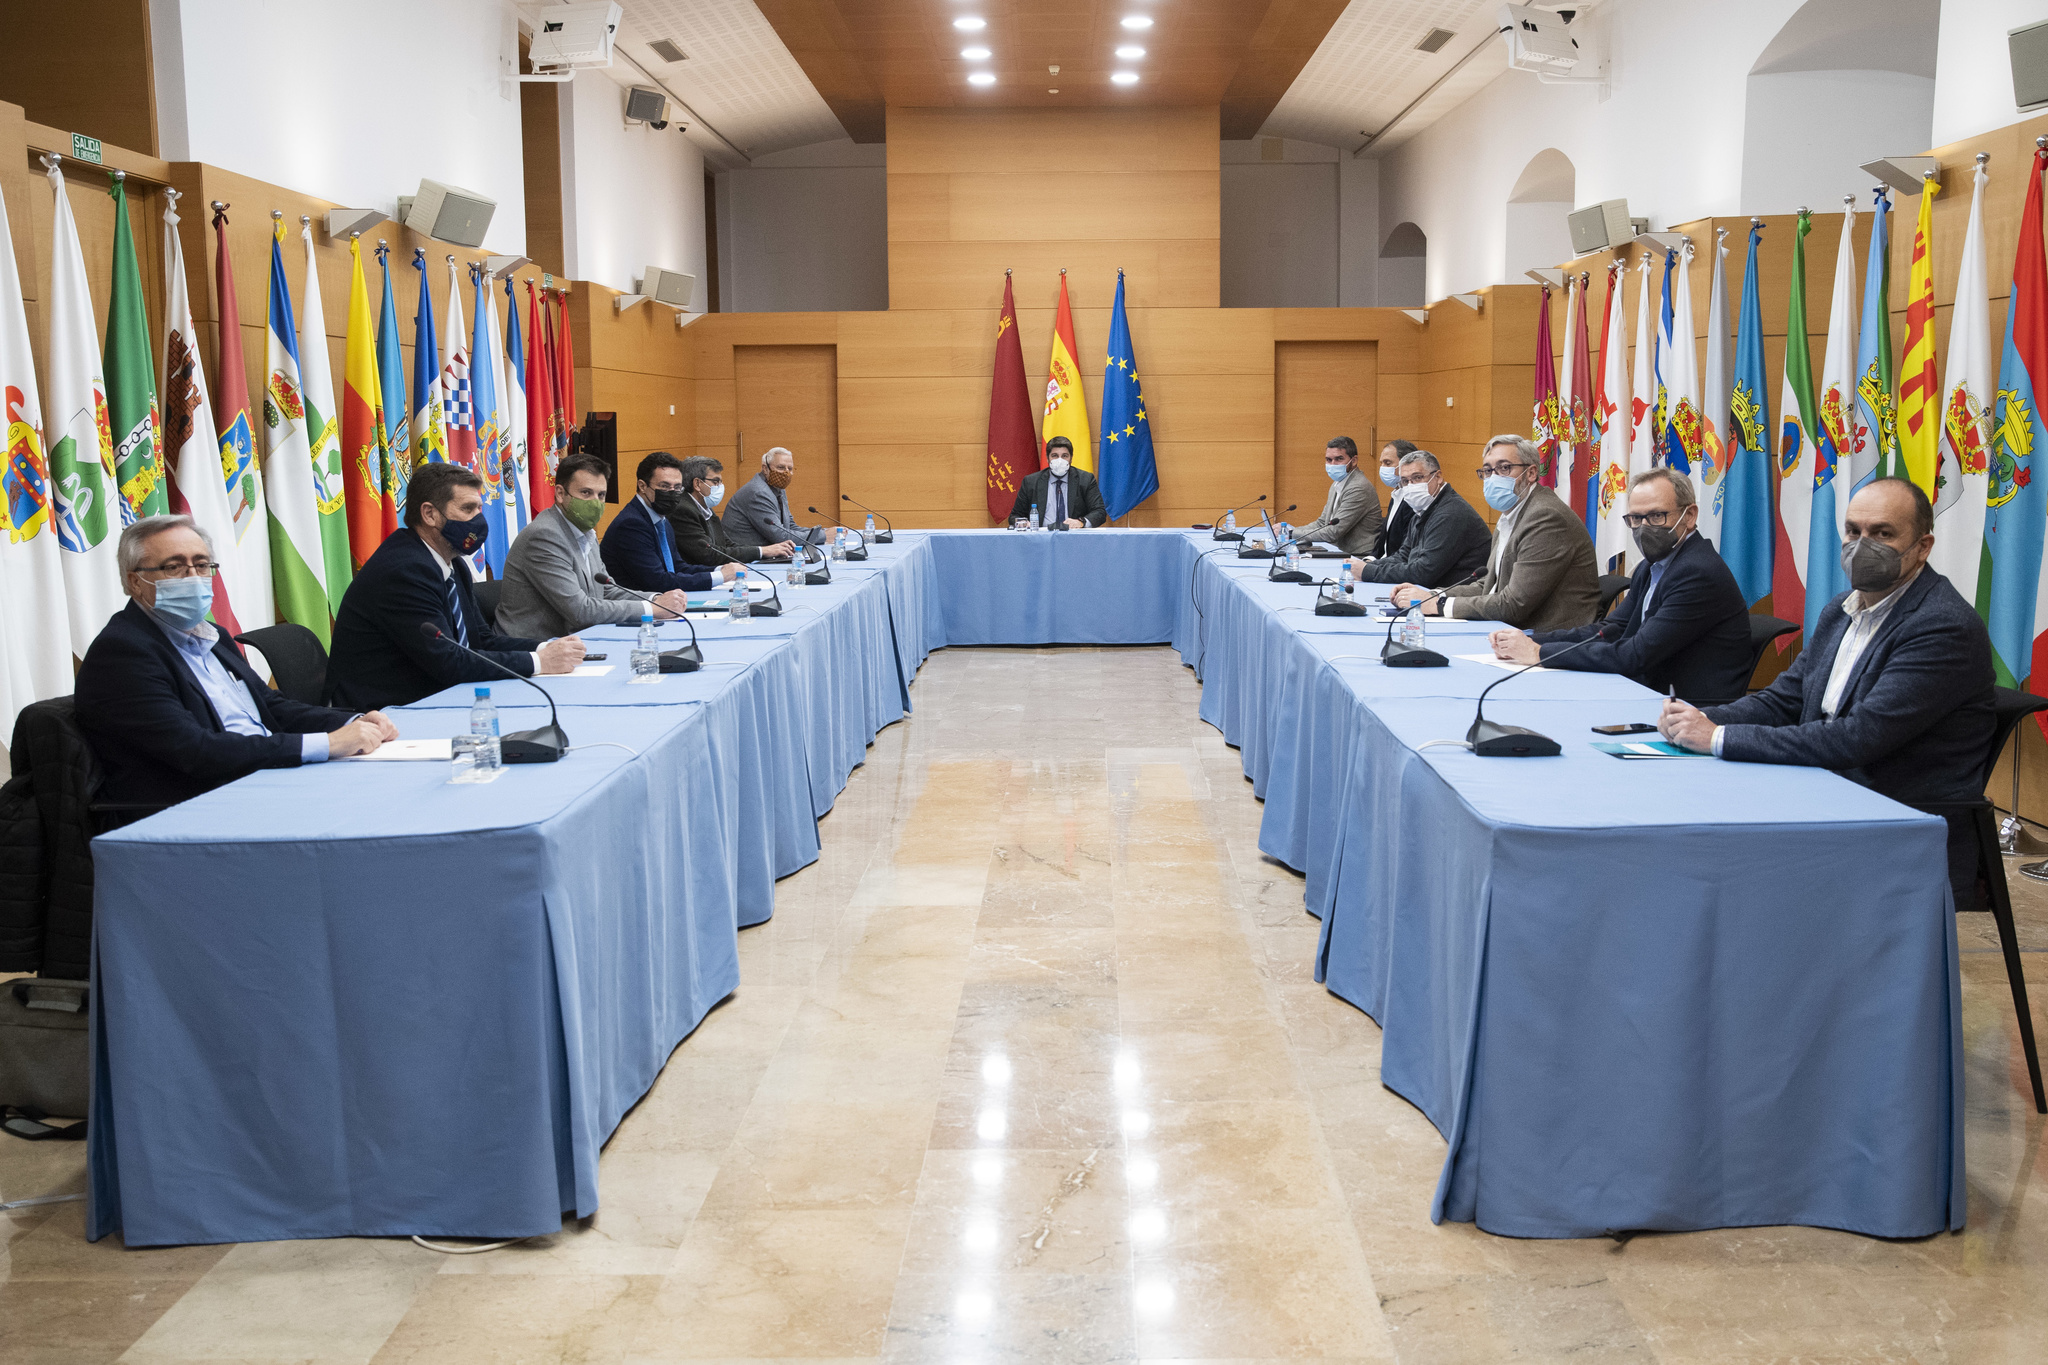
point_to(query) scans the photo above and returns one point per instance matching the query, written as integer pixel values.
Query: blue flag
(1128, 474)
(2009, 585)
(391, 374)
(1876, 451)
(1748, 528)
(490, 427)
(429, 429)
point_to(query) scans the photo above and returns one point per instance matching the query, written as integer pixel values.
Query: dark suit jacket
(1447, 544)
(1084, 496)
(155, 733)
(381, 658)
(1694, 640)
(1394, 534)
(704, 540)
(632, 554)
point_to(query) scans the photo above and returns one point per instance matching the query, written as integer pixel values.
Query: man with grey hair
(1541, 574)
(758, 510)
(1445, 541)
(170, 707)
(700, 537)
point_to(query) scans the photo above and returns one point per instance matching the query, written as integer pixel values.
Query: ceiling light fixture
(970, 25)
(1125, 78)
(1129, 53)
(1137, 21)
(982, 78)
(974, 54)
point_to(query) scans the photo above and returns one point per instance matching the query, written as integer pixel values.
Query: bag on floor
(44, 1057)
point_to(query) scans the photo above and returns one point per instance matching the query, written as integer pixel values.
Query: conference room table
(1675, 994)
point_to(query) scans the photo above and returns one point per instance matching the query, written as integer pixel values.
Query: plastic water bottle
(839, 542)
(871, 526)
(483, 723)
(647, 648)
(1345, 580)
(1293, 557)
(1414, 635)
(1230, 520)
(1036, 523)
(736, 605)
(793, 576)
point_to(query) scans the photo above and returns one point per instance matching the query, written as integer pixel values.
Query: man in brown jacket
(1542, 574)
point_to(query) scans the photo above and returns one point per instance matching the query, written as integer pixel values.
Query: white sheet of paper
(590, 671)
(407, 751)
(1498, 662)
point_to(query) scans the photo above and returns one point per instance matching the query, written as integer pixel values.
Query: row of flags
(1127, 472)
(103, 446)
(1777, 515)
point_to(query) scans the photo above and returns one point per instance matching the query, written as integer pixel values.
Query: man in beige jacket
(1542, 574)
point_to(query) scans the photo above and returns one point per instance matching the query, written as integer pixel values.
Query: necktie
(455, 611)
(668, 559)
(1059, 501)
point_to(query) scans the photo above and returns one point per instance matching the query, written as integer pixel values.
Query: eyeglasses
(1420, 476)
(179, 568)
(1506, 470)
(1659, 518)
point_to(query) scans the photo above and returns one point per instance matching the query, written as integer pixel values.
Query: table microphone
(1489, 740)
(862, 552)
(887, 537)
(1334, 603)
(1401, 656)
(1273, 550)
(1222, 534)
(771, 607)
(544, 745)
(686, 660)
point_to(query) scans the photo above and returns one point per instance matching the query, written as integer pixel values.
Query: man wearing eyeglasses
(172, 709)
(1683, 628)
(1443, 539)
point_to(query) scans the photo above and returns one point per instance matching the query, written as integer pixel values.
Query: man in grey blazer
(759, 511)
(550, 572)
(1542, 574)
(1351, 518)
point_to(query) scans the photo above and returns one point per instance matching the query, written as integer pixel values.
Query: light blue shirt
(226, 693)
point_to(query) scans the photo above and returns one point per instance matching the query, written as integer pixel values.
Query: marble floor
(1030, 1067)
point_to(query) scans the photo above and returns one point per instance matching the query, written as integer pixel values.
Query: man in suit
(1894, 687)
(1351, 518)
(1542, 575)
(381, 655)
(700, 536)
(1683, 626)
(639, 546)
(170, 706)
(1446, 541)
(1064, 495)
(1394, 534)
(550, 573)
(758, 509)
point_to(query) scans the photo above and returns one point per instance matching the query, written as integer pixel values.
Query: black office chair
(1612, 585)
(298, 663)
(487, 594)
(2009, 708)
(1763, 630)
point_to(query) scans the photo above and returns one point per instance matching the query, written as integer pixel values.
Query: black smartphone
(1636, 729)
(593, 658)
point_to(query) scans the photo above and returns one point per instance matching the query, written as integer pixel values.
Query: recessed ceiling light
(1130, 53)
(1125, 78)
(982, 78)
(1137, 21)
(970, 25)
(974, 54)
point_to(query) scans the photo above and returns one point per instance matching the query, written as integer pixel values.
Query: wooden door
(1321, 389)
(789, 396)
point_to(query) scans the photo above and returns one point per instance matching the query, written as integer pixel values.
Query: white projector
(671, 287)
(447, 213)
(574, 37)
(1537, 40)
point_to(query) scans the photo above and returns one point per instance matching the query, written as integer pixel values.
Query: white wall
(1843, 118)
(350, 103)
(805, 230)
(1279, 226)
(1358, 232)
(1973, 70)
(631, 196)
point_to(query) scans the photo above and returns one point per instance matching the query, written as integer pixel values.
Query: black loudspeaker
(599, 436)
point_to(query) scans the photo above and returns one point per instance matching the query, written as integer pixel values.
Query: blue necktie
(1059, 501)
(455, 611)
(668, 559)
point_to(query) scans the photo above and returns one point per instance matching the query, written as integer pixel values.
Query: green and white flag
(296, 558)
(131, 378)
(80, 437)
(323, 433)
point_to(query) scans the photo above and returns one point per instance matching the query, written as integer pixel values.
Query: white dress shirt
(1864, 624)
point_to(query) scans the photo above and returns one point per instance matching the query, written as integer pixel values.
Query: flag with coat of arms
(2012, 599)
(1962, 459)
(323, 430)
(196, 486)
(298, 561)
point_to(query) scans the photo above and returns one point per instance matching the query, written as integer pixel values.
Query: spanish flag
(1066, 404)
(365, 439)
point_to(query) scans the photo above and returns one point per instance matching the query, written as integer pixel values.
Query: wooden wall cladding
(83, 67)
(788, 396)
(1321, 389)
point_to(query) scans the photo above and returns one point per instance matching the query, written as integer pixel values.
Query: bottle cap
(483, 692)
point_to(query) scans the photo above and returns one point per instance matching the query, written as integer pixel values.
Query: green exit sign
(85, 148)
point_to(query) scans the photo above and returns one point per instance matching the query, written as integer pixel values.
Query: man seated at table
(1351, 518)
(1063, 495)
(550, 572)
(1683, 626)
(758, 509)
(382, 656)
(1541, 574)
(1894, 687)
(1446, 540)
(170, 706)
(639, 546)
(700, 536)
(1394, 532)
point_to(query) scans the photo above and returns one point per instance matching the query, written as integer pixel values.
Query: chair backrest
(2008, 708)
(1762, 630)
(298, 662)
(49, 746)
(487, 594)
(1612, 585)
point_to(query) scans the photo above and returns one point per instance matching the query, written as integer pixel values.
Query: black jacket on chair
(632, 554)
(1084, 497)
(153, 730)
(701, 539)
(1394, 534)
(381, 658)
(1695, 638)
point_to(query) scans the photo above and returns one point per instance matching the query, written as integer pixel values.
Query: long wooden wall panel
(1321, 390)
(788, 396)
(1175, 274)
(1020, 141)
(1010, 207)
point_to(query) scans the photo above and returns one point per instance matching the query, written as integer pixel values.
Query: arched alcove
(1537, 209)
(1403, 267)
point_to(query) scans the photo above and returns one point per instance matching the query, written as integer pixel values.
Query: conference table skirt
(1630, 995)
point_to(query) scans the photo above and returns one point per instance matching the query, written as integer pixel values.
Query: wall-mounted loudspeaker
(668, 286)
(1601, 226)
(2029, 49)
(447, 214)
(645, 104)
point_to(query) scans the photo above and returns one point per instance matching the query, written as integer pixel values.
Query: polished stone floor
(1030, 1067)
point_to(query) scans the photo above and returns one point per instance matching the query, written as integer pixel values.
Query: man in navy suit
(1684, 625)
(418, 576)
(639, 546)
(169, 706)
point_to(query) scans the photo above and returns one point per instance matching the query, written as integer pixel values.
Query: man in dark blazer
(170, 706)
(1060, 487)
(639, 549)
(1683, 626)
(1446, 540)
(1394, 533)
(418, 575)
(700, 535)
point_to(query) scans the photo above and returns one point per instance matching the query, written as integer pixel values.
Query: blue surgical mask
(184, 602)
(1501, 494)
(1389, 476)
(1337, 472)
(715, 496)
(466, 537)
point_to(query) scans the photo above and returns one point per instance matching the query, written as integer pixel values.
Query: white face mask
(1060, 467)
(1417, 495)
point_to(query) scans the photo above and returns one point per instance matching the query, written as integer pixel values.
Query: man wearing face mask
(701, 537)
(1541, 574)
(1683, 627)
(170, 706)
(1446, 541)
(551, 586)
(1062, 494)
(419, 575)
(1351, 518)
(758, 509)
(1394, 534)
(639, 549)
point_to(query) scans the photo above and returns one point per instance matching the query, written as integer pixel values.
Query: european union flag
(1124, 455)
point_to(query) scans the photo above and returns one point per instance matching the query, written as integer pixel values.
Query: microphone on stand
(685, 660)
(1272, 549)
(1222, 534)
(773, 606)
(887, 537)
(855, 554)
(1489, 740)
(1334, 603)
(544, 745)
(1402, 656)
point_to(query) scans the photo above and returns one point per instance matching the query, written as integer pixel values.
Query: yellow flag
(1919, 380)
(1066, 403)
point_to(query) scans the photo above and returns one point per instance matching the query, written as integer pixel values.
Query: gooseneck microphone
(771, 607)
(1402, 656)
(1220, 533)
(544, 745)
(1489, 740)
(1272, 547)
(887, 537)
(1334, 603)
(855, 554)
(685, 660)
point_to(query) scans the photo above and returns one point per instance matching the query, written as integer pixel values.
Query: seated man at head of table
(639, 547)
(1062, 494)
(551, 586)
(1351, 518)
(758, 509)
(701, 538)
(1394, 532)
(1446, 541)
(417, 577)
(1541, 574)
(170, 706)
(1893, 689)
(1683, 627)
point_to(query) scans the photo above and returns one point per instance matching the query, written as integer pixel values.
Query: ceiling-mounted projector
(573, 37)
(1538, 40)
(447, 214)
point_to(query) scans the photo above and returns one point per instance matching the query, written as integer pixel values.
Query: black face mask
(1872, 565)
(1656, 541)
(668, 501)
(466, 537)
